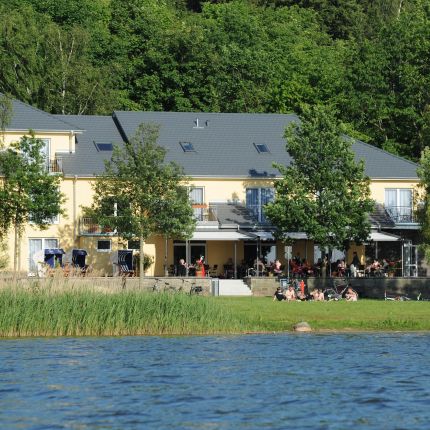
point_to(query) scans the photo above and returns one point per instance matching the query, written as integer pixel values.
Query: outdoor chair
(228, 271)
(125, 263)
(78, 260)
(207, 269)
(171, 270)
(213, 272)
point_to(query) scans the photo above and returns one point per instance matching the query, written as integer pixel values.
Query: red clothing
(200, 269)
(302, 287)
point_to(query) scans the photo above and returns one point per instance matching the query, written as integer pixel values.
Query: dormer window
(103, 146)
(261, 148)
(187, 146)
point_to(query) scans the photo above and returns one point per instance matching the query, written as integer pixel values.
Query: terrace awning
(297, 235)
(377, 236)
(263, 235)
(220, 235)
(54, 251)
(79, 252)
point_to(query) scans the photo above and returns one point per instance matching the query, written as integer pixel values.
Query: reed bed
(48, 312)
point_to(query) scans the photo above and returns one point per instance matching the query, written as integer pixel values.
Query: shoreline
(225, 334)
(72, 313)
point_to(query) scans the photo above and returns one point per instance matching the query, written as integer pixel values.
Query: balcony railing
(204, 213)
(55, 166)
(87, 227)
(401, 214)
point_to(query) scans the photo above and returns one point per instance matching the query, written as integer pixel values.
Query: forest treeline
(369, 59)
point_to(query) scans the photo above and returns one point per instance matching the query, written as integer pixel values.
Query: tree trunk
(399, 10)
(15, 256)
(16, 253)
(141, 258)
(19, 250)
(166, 270)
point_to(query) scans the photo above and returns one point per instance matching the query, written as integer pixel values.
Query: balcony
(55, 166)
(87, 227)
(204, 213)
(401, 214)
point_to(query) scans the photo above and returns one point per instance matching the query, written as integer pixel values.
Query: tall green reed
(44, 312)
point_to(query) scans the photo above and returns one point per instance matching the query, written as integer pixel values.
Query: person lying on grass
(351, 295)
(318, 295)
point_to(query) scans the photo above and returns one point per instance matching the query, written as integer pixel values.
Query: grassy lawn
(262, 313)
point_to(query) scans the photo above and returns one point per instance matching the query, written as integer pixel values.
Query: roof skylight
(103, 146)
(261, 148)
(187, 146)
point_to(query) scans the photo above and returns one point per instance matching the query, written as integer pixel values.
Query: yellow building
(229, 160)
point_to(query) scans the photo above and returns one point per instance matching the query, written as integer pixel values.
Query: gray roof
(379, 218)
(87, 160)
(224, 144)
(234, 214)
(26, 117)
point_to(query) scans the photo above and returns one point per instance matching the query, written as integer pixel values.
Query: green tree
(4, 257)
(139, 195)
(28, 192)
(50, 66)
(423, 210)
(5, 114)
(323, 192)
(386, 85)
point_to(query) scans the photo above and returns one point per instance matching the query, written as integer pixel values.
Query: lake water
(308, 381)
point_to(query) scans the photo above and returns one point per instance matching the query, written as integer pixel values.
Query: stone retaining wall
(260, 287)
(366, 287)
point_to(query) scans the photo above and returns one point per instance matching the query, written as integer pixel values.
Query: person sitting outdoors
(200, 267)
(317, 295)
(355, 265)
(351, 295)
(302, 287)
(277, 268)
(290, 294)
(375, 268)
(181, 269)
(341, 267)
(385, 267)
(301, 296)
(306, 268)
(279, 295)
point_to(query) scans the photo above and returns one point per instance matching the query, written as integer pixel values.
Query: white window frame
(260, 210)
(197, 210)
(47, 141)
(55, 220)
(399, 209)
(104, 250)
(43, 239)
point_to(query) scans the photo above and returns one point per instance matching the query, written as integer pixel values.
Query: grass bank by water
(367, 315)
(84, 313)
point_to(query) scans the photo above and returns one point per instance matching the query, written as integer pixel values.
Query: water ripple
(360, 381)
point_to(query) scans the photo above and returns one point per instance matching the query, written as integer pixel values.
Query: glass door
(35, 245)
(410, 260)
